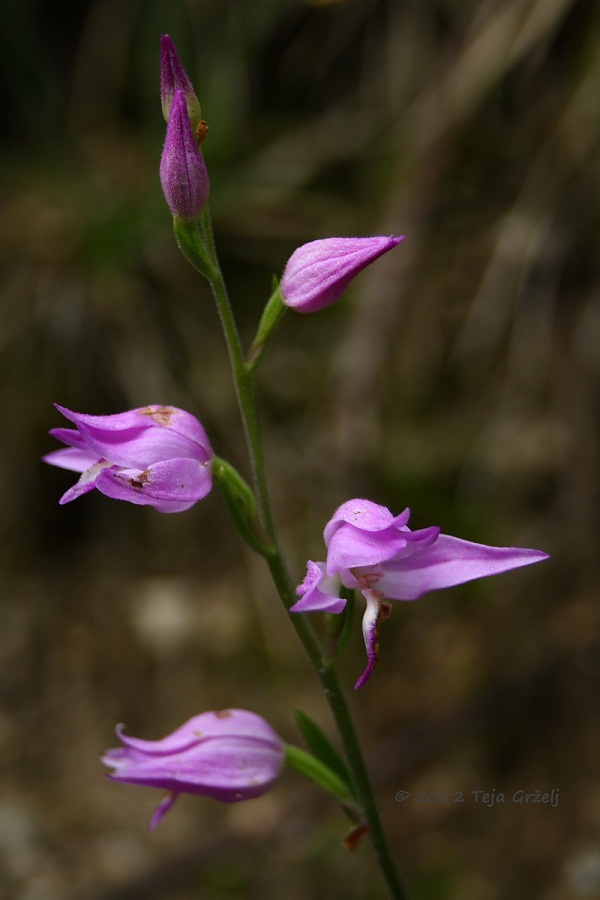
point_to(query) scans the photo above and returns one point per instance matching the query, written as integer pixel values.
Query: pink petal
(140, 437)
(318, 593)
(162, 809)
(448, 562)
(172, 485)
(183, 172)
(377, 610)
(72, 458)
(230, 755)
(318, 273)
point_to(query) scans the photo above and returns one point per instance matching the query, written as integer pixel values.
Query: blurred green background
(459, 376)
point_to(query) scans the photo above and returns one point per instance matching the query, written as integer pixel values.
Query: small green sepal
(189, 241)
(241, 503)
(270, 319)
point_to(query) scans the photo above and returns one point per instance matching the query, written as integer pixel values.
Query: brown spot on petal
(223, 714)
(140, 481)
(162, 415)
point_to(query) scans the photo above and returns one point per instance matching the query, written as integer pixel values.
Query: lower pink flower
(231, 755)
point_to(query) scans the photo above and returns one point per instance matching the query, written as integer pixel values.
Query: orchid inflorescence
(160, 456)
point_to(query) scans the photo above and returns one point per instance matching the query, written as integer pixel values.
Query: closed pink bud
(183, 173)
(173, 78)
(318, 273)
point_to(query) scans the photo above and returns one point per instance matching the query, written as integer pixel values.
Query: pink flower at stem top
(157, 456)
(318, 273)
(231, 755)
(370, 549)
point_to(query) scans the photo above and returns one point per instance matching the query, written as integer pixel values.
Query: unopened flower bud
(318, 273)
(173, 78)
(183, 173)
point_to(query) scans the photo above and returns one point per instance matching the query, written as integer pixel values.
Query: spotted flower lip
(183, 174)
(230, 755)
(317, 273)
(157, 456)
(370, 549)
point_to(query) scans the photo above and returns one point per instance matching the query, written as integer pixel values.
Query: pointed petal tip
(162, 809)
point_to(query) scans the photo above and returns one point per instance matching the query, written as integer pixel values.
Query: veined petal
(362, 533)
(171, 485)
(318, 592)
(230, 755)
(422, 536)
(365, 515)
(140, 437)
(70, 437)
(162, 809)
(228, 768)
(230, 722)
(173, 78)
(448, 562)
(183, 172)
(350, 547)
(72, 458)
(85, 484)
(318, 273)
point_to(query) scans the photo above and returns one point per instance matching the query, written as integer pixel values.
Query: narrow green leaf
(320, 774)
(322, 747)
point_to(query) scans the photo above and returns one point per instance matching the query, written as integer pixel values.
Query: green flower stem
(326, 674)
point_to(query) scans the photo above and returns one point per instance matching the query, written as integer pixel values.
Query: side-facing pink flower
(230, 755)
(318, 273)
(370, 549)
(183, 172)
(156, 456)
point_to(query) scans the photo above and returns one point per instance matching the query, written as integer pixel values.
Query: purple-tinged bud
(173, 78)
(230, 755)
(318, 273)
(183, 173)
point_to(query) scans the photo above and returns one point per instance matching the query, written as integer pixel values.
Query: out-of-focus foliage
(459, 376)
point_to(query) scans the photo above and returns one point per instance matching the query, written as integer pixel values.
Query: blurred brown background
(459, 376)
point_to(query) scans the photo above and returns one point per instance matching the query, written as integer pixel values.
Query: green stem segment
(207, 264)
